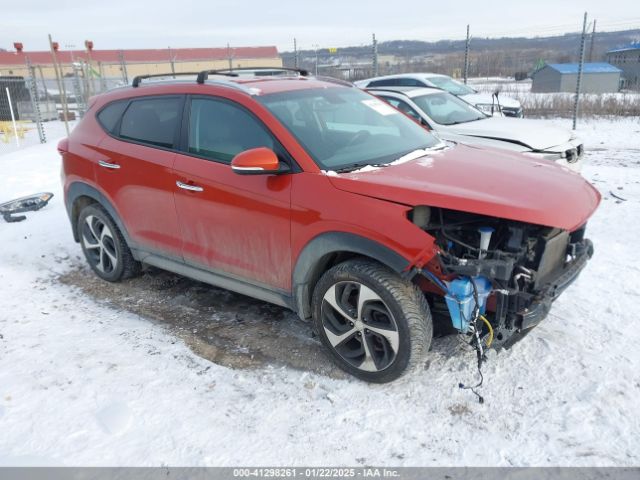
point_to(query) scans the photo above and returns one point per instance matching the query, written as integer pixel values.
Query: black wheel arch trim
(317, 254)
(81, 189)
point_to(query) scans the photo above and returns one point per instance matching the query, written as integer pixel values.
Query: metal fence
(35, 109)
(20, 121)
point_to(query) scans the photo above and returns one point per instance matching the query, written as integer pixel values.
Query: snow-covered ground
(83, 382)
(30, 136)
(625, 103)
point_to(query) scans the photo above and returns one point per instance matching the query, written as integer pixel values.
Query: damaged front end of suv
(495, 275)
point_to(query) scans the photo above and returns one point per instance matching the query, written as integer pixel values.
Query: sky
(116, 24)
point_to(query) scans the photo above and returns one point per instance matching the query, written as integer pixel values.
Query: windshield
(451, 85)
(344, 128)
(447, 109)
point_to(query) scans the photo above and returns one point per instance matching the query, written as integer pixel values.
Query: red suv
(312, 194)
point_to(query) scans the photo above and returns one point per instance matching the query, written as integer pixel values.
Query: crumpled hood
(485, 181)
(487, 99)
(535, 134)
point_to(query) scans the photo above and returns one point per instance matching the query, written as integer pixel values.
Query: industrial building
(627, 59)
(562, 77)
(125, 64)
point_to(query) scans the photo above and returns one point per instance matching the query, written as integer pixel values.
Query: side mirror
(256, 161)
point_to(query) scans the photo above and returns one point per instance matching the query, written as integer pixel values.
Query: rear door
(234, 224)
(135, 170)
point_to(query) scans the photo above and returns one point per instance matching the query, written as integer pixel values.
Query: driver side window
(219, 130)
(404, 107)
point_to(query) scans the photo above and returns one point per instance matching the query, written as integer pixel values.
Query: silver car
(507, 106)
(454, 119)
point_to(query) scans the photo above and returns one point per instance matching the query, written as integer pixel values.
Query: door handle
(104, 164)
(191, 188)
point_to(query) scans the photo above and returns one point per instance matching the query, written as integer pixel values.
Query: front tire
(104, 246)
(376, 325)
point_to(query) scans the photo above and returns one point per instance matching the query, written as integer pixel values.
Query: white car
(453, 119)
(488, 103)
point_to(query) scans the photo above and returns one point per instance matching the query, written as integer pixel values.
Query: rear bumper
(517, 312)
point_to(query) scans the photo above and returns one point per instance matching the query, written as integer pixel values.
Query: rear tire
(104, 246)
(376, 325)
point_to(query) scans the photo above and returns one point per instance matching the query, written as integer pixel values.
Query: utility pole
(229, 57)
(375, 55)
(593, 36)
(466, 57)
(580, 68)
(44, 84)
(173, 66)
(61, 90)
(123, 67)
(88, 45)
(35, 103)
(103, 81)
(316, 46)
(295, 53)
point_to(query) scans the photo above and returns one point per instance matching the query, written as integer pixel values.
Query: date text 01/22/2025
(315, 473)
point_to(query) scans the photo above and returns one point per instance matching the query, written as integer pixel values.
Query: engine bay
(508, 272)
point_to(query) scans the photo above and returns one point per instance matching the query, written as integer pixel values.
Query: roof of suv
(258, 85)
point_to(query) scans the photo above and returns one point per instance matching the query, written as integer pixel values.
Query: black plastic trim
(80, 189)
(217, 278)
(317, 253)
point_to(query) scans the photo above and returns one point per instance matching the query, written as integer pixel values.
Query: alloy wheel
(359, 326)
(99, 245)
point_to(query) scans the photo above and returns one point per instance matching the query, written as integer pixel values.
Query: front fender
(318, 252)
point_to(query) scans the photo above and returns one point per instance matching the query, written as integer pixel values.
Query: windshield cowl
(413, 155)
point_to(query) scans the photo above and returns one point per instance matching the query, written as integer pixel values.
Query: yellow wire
(490, 330)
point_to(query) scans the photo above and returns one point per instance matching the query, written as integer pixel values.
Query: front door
(234, 224)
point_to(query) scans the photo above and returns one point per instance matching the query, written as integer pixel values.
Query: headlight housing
(488, 108)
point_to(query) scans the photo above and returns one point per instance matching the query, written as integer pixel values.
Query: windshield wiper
(358, 166)
(414, 154)
(464, 121)
(350, 168)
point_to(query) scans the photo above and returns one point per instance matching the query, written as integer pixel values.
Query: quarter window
(109, 115)
(387, 82)
(153, 121)
(219, 130)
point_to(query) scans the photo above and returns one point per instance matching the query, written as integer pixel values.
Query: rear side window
(108, 117)
(404, 107)
(410, 82)
(387, 82)
(153, 121)
(397, 82)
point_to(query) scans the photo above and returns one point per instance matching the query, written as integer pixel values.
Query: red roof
(140, 56)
